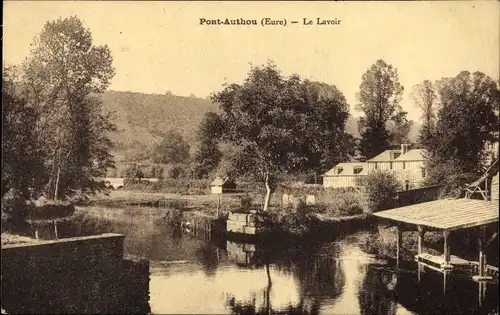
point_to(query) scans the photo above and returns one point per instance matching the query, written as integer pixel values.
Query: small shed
(222, 185)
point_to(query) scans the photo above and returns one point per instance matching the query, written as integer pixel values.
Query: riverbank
(11, 239)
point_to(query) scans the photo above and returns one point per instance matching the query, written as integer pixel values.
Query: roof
(413, 155)
(384, 156)
(348, 169)
(446, 214)
(219, 181)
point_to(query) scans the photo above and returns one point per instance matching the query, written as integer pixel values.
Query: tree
(425, 98)
(380, 188)
(132, 174)
(23, 171)
(467, 119)
(208, 155)
(281, 125)
(63, 78)
(171, 150)
(379, 97)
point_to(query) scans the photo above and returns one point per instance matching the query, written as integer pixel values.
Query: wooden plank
(445, 214)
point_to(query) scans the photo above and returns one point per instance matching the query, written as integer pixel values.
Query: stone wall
(244, 223)
(75, 275)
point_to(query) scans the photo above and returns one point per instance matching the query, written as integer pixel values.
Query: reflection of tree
(321, 276)
(318, 276)
(207, 255)
(376, 295)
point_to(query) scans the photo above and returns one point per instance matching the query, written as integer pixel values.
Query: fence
(419, 195)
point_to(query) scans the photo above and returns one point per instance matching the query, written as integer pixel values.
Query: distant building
(222, 185)
(344, 175)
(406, 164)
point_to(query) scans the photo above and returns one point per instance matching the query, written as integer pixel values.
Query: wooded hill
(142, 119)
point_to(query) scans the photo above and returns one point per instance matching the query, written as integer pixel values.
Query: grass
(10, 239)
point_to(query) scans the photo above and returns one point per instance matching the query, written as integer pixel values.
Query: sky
(161, 46)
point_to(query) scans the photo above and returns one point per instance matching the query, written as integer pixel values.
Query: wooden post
(399, 244)
(55, 228)
(218, 205)
(36, 233)
(486, 188)
(421, 233)
(446, 248)
(445, 273)
(481, 252)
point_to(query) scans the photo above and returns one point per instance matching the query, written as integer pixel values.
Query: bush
(246, 201)
(454, 185)
(14, 206)
(170, 185)
(176, 172)
(380, 189)
(331, 201)
(51, 210)
(174, 217)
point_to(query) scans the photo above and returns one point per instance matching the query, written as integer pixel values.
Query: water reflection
(200, 273)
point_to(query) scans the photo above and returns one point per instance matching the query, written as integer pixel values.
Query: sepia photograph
(250, 157)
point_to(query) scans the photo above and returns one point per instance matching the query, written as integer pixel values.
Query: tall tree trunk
(268, 193)
(56, 190)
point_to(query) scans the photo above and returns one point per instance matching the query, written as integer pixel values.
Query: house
(344, 175)
(222, 185)
(410, 168)
(406, 164)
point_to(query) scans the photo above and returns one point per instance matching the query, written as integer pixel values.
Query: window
(395, 155)
(376, 166)
(358, 169)
(404, 165)
(340, 170)
(390, 165)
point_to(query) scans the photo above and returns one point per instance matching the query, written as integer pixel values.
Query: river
(200, 274)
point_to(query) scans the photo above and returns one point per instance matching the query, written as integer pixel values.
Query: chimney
(404, 148)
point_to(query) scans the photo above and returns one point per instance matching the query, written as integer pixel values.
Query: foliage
(208, 155)
(174, 217)
(295, 223)
(62, 79)
(10, 239)
(246, 201)
(467, 119)
(379, 97)
(51, 210)
(383, 242)
(14, 206)
(171, 185)
(424, 95)
(132, 173)
(176, 171)
(141, 118)
(332, 202)
(282, 125)
(172, 149)
(380, 188)
(22, 160)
